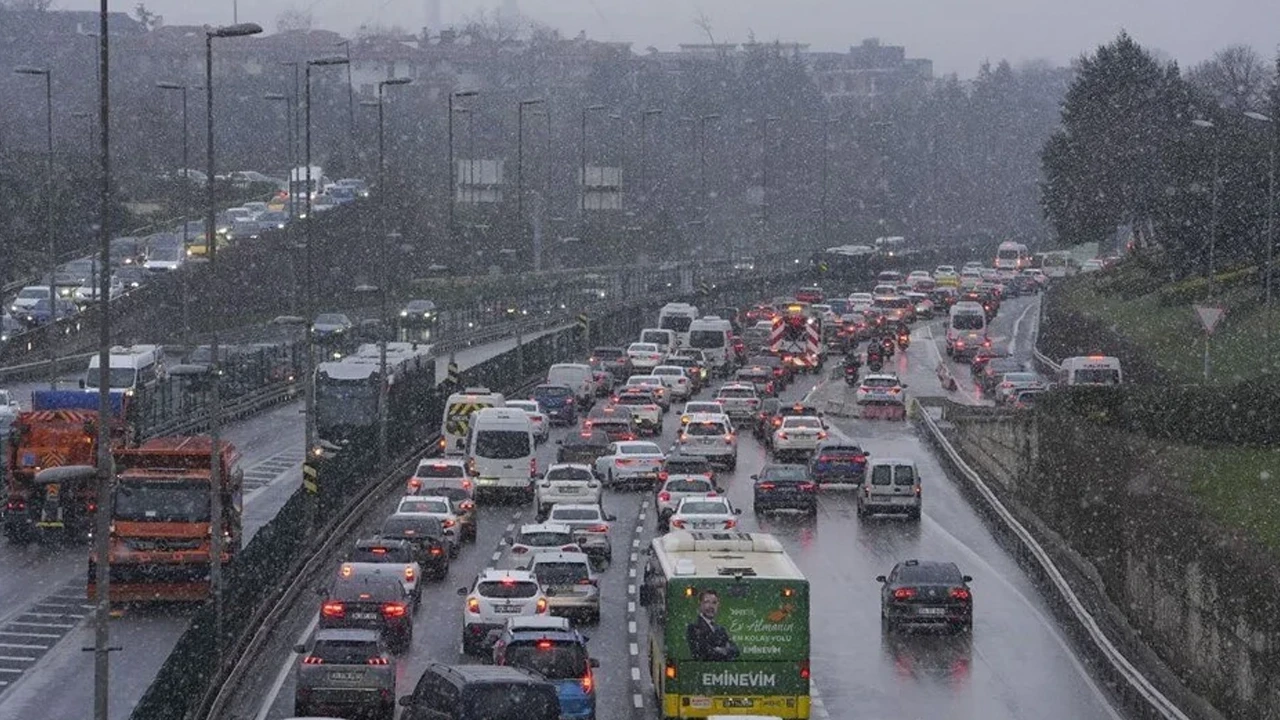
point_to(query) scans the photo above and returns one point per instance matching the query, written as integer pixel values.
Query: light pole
(293, 127)
(826, 153)
(216, 532)
(385, 277)
(644, 154)
(470, 152)
(582, 180)
(452, 194)
(288, 127)
(48, 204)
(186, 201)
(351, 100)
(702, 160)
(1271, 216)
(622, 151)
(1213, 215)
(309, 384)
(520, 159)
(764, 168)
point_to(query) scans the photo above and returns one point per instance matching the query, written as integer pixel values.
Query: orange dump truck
(50, 458)
(160, 519)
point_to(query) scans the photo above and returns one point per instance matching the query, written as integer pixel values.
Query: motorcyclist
(875, 353)
(903, 334)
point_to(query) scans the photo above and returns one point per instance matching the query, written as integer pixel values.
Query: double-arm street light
(217, 538)
(452, 194)
(763, 124)
(296, 134)
(826, 156)
(287, 99)
(582, 179)
(644, 153)
(1213, 211)
(351, 98)
(520, 158)
(48, 202)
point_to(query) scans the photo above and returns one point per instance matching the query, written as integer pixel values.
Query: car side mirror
(405, 701)
(81, 384)
(610, 517)
(881, 579)
(753, 477)
(595, 662)
(300, 648)
(737, 511)
(508, 540)
(462, 592)
(968, 578)
(718, 489)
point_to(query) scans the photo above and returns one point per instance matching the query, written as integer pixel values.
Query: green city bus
(728, 626)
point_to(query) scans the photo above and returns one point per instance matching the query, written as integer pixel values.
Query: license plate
(737, 702)
(486, 481)
(506, 609)
(931, 611)
(570, 490)
(903, 499)
(364, 616)
(346, 676)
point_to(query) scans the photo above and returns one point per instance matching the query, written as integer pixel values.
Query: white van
(500, 451)
(576, 376)
(677, 317)
(713, 335)
(1091, 370)
(131, 369)
(966, 329)
(664, 339)
(457, 416)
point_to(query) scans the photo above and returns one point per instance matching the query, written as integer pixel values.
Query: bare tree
(294, 19)
(1235, 77)
(37, 5)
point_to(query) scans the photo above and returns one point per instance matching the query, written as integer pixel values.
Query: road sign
(583, 320)
(704, 289)
(309, 478)
(1210, 316)
(454, 374)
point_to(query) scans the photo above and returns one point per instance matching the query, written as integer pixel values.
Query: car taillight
(822, 434)
(677, 523)
(473, 605)
(917, 490)
(570, 548)
(312, 660)
(409, 574)
(730, 524)
(904, 593)
(864, 388)
(333, 610)
(860, 458)
(782, 435)
(663, 476)
(414, 485)
(466, 484)
(808, 486)
(533, 467)
(960, 594)
(519, 550)
(568, 401)
(777, 422)
(447, 523)
(766, 486)
(598, 528)
(378, 661)
(91, 506)
(393, 610)
(541, 607)
(588, 683)
(664, 496)
(16, 505)
(437, 551)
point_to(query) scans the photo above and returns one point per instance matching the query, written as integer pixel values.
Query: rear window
(703, 508)
(524, 405)
(369, 590)
(683, 467)
(635, 399)
(511, 701)
(561, 573)
(904, 475)
(644, 348)
(968, 321)
(561, 513)
(654, 337)
(503, 444)
(568, 473)
(439, 470)
(801, 422)
(507, 589)
(544, 539)
(412, 527)
(454, 494)
(553, 392)
(881, 475)
(705, 429)
(668, 372)
(345, 652)
(930, 574)
(413, 505)
(689, 486)
(381, 554)
(788, 473)
(737, 393)
(640, 450)
(880, 382)
(708, 407)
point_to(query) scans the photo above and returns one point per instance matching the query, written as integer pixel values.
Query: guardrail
(1141, 689)
(36, 369)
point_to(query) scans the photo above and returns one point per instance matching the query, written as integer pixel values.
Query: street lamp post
(1271, 216)
(452, 193)
(764, 169)
(288, 125)
(309, 384)
(582, 180)
(644, 154)
(702, 160)
(520, 159)
(1213, 214)
(48, 204)
(622, 152)
(216, 532)
(826, 153)
(293, 127)
(186, 201)
(351, 100)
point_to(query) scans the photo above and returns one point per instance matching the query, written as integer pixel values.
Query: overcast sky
(956, 34)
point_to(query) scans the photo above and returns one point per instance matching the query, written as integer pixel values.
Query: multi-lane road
(43, 670)
(1016, 664)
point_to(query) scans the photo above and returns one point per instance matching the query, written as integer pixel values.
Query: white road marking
(635, 673)
(516, 515)
(637, 700)
(635, 557)
(1013, 338)
(635, 649)
(631, 572)
(631, 607)
(635, 543)
(286, 668)
(43, 624)
(30, 634)
(641, 516)
(631, 589)
(631, 627)
(20, 658)
(937, 354)
(497, 555)
(19, 646)
(511, 526)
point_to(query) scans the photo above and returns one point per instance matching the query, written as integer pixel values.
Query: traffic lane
(438, 623)
(1016, 324)
(1016, 662)
(33, 571)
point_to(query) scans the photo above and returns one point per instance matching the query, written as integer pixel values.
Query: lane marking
(635, 649)
(631, 607)
(286, 668)
(511, 527)
(18, 658)
(631, 627)
(960, 387)
(635, 673)
(637, 700)
(497, 555)
(635, 557)
(1013, 338)
(20, 646)
(631, 572)
(635, 543)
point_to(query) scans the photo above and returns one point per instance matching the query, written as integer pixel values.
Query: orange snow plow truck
(160, 519)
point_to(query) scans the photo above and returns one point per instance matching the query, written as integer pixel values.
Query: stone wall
(1206, 601)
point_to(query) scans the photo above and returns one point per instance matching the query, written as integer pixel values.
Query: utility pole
(582, 180)
(47, 74)
(520, 161)
(384, 280)
(644, 152)
(452, 193)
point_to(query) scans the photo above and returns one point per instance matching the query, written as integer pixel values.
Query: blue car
(558, 403)
(838, 461)
(552, 649)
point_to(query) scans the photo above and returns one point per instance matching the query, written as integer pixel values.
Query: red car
(810, 295)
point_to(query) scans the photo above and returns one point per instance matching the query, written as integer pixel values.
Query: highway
(1016, 664)
(43, 611)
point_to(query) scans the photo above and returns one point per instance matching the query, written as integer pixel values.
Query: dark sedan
(926, 593)
(370, 603)
(837, 461)
(426, 535)
(785, 487)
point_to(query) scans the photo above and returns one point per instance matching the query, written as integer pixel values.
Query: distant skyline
(958, 35)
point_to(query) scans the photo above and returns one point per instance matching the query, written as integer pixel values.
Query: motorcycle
(887, 346)
(904, 341)
(851, 372)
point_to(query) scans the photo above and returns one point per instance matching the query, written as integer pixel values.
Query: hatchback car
(678, 487)
(370, 603)
(557, 402)
(570, 584)
(643, 357)
(1011, 382)
(388, 557)
(655, 383)
(926, 593)
(582, 447)
(557, 653)
(784, 487)
(331, 324)
(566, 482)
(427, 537)
(759, 376)
(891, 485)
(614, 358)
(881, 389)
(706, 513)
(711, 437)
(436, 506)
(644, 405)
(617, 422)
(495, 596)
(348, 673)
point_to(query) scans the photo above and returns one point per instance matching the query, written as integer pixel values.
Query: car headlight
(404, 313)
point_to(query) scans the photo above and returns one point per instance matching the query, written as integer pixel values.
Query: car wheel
(733, 463)
(887, 625)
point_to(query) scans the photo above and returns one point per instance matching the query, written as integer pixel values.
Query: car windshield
(801, 422)
(345, 652)
(876, 382)
(33, 293)
(701, 507)
(571, 514)
(440, 470)
(645, 449)
(552, 659)
(643, 348)
(426, 507)
(568, 473)
(705, 429)
(968, 321)
(558, 572)
(503, 444)
(553, 391)
(161, 501)
(544, 539)
(511, 589)
(785, 473)
(331, 319)
(707, 338)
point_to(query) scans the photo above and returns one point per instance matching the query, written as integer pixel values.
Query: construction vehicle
(796, 337)
(50, 457)
(161, 535)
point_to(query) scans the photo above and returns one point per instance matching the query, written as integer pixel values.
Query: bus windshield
(706, 339)
(968, 321)
(676, 323)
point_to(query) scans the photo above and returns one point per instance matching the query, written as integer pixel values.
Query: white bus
(676, 317)
(714, 337)
(1012, 256)
(457, 416)
(1090, 370)
(1058, 264)
(501, 451)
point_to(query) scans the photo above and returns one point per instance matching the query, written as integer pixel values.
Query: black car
(614, 358)
(491, 692)
(426, 535)
(994, 369)
(838, 460)
(371, 603)
(782, 373)
(582, 447)
(761, 377)
(983, 355)
(763, 426)
(785, 487)
(926, 593)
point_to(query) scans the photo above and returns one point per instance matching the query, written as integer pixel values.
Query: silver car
(890, 485)
(590, 526)
(346, 673)
(570, 585)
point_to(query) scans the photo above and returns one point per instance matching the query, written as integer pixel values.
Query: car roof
(497, 575)
(882, 376)
(789, 418)
(378, 585)
(388, 542)
(347, 634)
(545, 527)
(476, 673)
(738, 386)
(577, 506)
(596, 438)
(560, 557)
(687, 459)
(456, 462)
(635, 443)
(706, 498)
(839, 445)
(422, 498)
(576, 466)
(892, 461)
(522, 623)
(699, 417)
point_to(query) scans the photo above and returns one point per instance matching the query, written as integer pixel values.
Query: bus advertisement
(728, 626)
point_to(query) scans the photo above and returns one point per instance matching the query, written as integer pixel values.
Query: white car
(539, 420)
(711, 437)
(1092, 265)
(9, 406)
(440, 472)
(88, 292)
(945, 271)
(798, 435)
(644, 407)
(1012, 382)
(705, 513)
(738, 400)
(495, 596)
(436, 506)
(590, 525)
(378, 556)
(630, 462)
(644, 356)
(860, 301)
(331, 324)
(676, 380)
(655, 383)
(537, 538)
(1038, 275)
(700, 406)
(27, 298)
(566, 482)
(571, 585)
(881, 388)
(915, 275)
